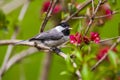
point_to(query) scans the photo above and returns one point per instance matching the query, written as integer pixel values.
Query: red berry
(76, 39)
(86, 39)
(46, 5)
(95, 37)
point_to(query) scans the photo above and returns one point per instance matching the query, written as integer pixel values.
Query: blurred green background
(30, 67)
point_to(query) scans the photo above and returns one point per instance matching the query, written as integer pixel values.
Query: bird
(53, 37)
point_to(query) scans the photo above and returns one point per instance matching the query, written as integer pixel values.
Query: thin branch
(46, 66)
(8, 53)
(103, 16)
(31, 44)
(77, 72)
(81, 8)
(48, 15)
(13, 5)
(109, 39)
(103, 58)
(80, 17)
(93, 6)
(92, 17)
(23, 10)
(96, 17)
(22, 72)
(19, 57)
(88, 27)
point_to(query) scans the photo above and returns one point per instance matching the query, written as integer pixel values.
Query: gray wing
(49, 35)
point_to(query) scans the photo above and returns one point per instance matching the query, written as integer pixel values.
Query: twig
(92, 17)
(109, 39)
(22, 72)
(77, 72)
(96, 17)
(81, 8)
(48, 15)
(11, 6)
(8, 53)
(23, 10)
(93, 6)
(114, 12)
(46, 66)
(20, 56)
(62, 55)
(80, 17)
(103, 58)
(31, 44)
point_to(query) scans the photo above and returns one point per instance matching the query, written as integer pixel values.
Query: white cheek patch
(59, 28)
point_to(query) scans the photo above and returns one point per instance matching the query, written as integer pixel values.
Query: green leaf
(79, 27)
(64, 15)
(71, 8)
(78, 55)
(3, 21)
(64, 73)
(69, 65)
(112, 57)
(113, 1)
(85, 72)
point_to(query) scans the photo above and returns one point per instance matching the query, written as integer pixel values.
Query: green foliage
(113, 58)
(84, 55)
(86, 73)
(3, 21)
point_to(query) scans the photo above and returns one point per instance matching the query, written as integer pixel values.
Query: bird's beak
(70, 28)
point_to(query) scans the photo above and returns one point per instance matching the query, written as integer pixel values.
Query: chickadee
(54, 37)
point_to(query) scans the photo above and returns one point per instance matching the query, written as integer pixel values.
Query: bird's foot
(56, 50)
(36, 45)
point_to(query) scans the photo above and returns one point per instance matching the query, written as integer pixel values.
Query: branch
(93, 6)
(8, 53)
(92, 18)
(81, 8)
(103, 16)
(109, 39)
(103, 58)
(10, 47)
(25, 53)
(11, 6)
(46, 66)
(48, 15)
(31, 44)
(23, 10)
(30, 51)
(77, 72)
(18, 57)
(96, 17)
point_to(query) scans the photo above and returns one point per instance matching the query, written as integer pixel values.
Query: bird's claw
(55, 49)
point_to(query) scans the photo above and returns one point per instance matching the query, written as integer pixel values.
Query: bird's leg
(36, 45)
(56, 50)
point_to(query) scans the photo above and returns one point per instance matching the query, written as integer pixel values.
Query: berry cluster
(77, 39)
